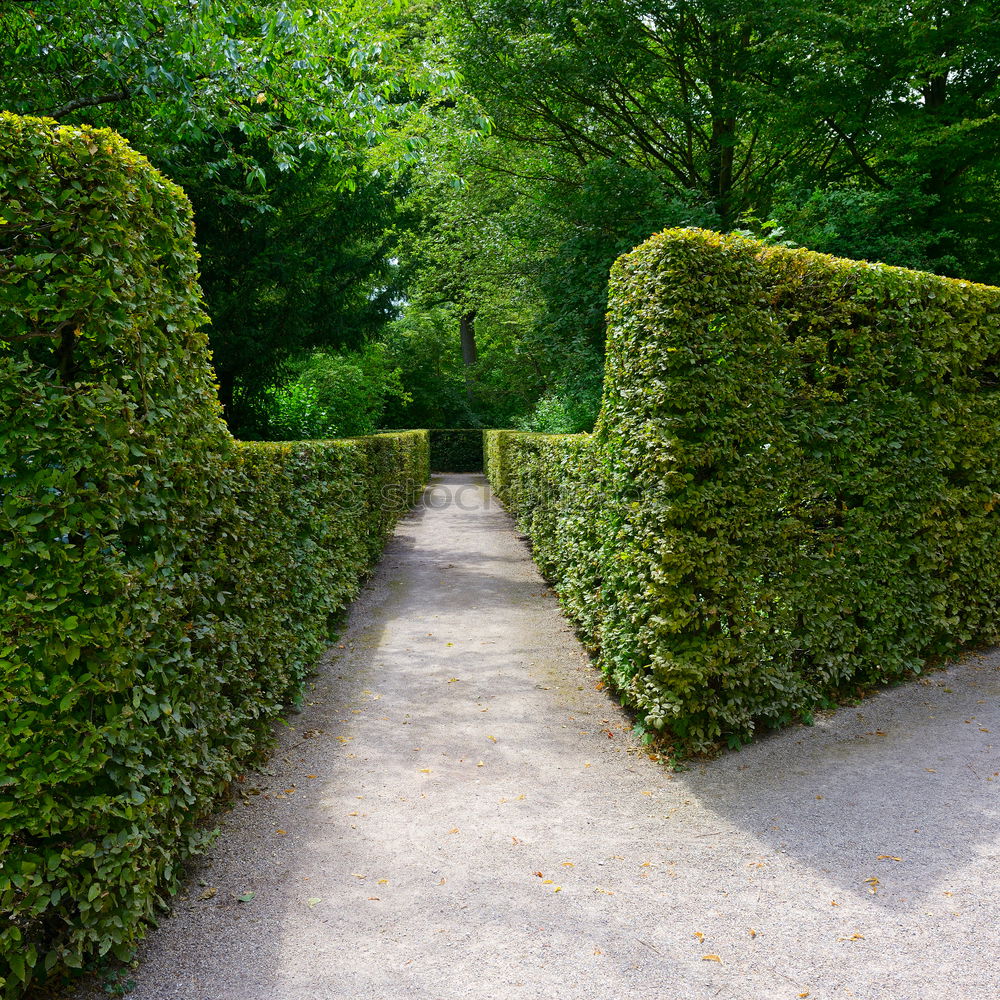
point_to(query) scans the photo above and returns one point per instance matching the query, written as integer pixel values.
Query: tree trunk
(722, 148)
(226, 382)
(467, 331)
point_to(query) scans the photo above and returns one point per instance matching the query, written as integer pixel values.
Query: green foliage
(456, 449)
(797, 467)
(165, 589)
(886, 225)
(865, 128)
(910, 99)
(312, 272)
(597, 80)
(552, 485)
(267, 113)
(441, 391)
(572, 404)
(177, 74)
(333, 395)
(424, 345)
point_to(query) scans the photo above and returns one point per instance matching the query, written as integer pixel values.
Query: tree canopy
(453, 184)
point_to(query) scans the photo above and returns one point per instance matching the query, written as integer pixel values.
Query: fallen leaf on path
(281, 832)
(853, 937)
(888, 857)
(442, 882)
(873, 884)
(548, 881)
(312, 775)
(383, 881)
(452, 680)
(480, 764)
(492, 739)
(313, 900)
(246, 897)
(699, 935)
(752, 932)
(711, 958)
(208, 893)
(454, 829)
(425, 770)
(558, 888)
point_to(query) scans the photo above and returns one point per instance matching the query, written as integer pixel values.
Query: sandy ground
(460, 812)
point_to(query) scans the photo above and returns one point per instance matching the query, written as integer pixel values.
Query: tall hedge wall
(799, 462)
(164, 589)
(552, 485)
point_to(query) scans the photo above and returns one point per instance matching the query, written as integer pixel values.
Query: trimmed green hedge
(798, 463)
(552, 485)
(456, 449)
(165, 589)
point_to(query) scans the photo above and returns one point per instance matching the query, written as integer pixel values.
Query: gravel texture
(460, 811)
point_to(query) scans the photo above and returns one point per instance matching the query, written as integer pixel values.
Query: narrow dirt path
(459, 812)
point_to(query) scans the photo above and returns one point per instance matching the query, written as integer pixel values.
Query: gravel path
(460, 812)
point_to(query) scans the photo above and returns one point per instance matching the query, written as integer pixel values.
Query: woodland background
(407, 215)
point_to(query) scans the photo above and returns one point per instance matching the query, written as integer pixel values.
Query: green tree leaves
(179, 74)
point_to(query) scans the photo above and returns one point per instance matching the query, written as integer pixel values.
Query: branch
(527, 177)
(38, 334)
(34, 335)
(852, 148)
(90, 102)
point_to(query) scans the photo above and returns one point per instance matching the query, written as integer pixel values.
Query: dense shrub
(163, 588)
(798, 459)
(551, 483)
(328, 395)
(457, 450)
